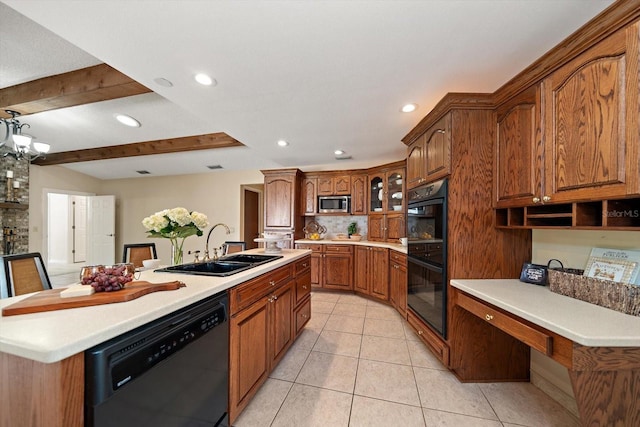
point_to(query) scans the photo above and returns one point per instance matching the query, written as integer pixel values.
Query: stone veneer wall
(338, 224)
(16, 220)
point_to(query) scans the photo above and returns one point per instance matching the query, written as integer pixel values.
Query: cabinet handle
(272, 283)
(304, 265)
(536, 200)
(304, 286)
(275, 297)
(488, 317)
(419, 332)
(546, 199)
(304, 316)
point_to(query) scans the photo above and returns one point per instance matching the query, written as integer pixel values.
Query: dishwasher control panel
(123, 359)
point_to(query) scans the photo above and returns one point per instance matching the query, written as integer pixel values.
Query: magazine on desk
(619, 265)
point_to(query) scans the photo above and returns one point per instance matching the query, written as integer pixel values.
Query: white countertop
(395, 246)
(55, 335)
(582, 322)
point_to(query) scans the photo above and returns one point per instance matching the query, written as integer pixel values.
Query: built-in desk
(495, 322)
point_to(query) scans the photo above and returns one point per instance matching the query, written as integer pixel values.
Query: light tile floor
(357, 363)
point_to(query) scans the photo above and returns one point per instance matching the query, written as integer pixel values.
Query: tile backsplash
(338, 224)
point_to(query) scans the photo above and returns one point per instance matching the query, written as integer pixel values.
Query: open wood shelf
(19, 206)
(623, 214)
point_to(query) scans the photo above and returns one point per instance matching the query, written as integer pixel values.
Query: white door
(101, 229)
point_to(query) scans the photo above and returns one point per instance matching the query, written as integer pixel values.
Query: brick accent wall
(14, 222)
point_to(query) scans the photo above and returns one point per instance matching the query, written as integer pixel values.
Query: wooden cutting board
(50, 300)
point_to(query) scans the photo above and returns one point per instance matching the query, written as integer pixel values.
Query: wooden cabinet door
(394, 191)
(379, 273)
(249, 361)
(280, 322)
(309, 196)
(591, 123)
(279, 193)
(325, 186)
(395, 227)
(316, 269)
(359, 195)
(519, 150)
(337, 271)
(415, 163)
(361, 271)
(398, 286)
(342, 185)
(376, 227)
(437, 148)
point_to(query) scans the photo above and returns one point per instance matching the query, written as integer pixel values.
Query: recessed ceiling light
(282, 143)
(204, 79)
(408, 108)
(163, 82)
(127, 120)
(338, 152)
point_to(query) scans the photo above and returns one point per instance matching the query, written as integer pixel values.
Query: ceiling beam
(162, 146)
(92, 84)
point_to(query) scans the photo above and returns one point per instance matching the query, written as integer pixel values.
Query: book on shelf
(619, 265)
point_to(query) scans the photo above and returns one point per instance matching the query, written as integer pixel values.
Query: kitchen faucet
(206, 249)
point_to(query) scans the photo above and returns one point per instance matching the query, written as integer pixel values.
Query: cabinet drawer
(302, 315)
(435, 344)
(528, 335)
(311, 247)
(302, 265)
(303, 286)
(345, 249)
(243, 295)
(398, 257)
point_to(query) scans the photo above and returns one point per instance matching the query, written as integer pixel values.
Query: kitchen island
(41, 354)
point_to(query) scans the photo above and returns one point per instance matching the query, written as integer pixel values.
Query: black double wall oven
(427, 254)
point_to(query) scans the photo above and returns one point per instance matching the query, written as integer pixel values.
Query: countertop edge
(579, 321)
(394, 246)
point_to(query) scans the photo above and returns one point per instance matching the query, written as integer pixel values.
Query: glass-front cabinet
(386, 191)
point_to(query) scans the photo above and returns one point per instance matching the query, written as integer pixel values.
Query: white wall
(572, 248)
(216, 194)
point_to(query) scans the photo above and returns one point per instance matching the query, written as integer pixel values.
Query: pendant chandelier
(18, 145)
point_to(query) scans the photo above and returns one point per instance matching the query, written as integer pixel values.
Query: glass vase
(176, 252)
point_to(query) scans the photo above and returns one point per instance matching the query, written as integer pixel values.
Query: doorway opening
(78, 229)
(65, 231)
(251, 213)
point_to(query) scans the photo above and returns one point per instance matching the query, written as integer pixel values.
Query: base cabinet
(398, 282)
(331, 265)
(265, 315)
(371, 275)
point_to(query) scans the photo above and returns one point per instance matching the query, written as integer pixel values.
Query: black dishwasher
(171, 372)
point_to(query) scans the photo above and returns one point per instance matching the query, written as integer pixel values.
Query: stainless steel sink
(226, 266)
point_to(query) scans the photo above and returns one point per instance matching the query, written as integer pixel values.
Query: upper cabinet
(309, 197)
(591, 123)
(334, 185)
(429, 155)
(519, 161)
(282, 205)
(359, 195)
(386, 190)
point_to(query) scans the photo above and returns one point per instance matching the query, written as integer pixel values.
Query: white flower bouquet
(176, 225)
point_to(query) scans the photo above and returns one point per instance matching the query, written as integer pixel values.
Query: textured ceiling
(322, 75)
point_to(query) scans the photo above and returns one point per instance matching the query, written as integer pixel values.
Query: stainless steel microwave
(334, 204)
